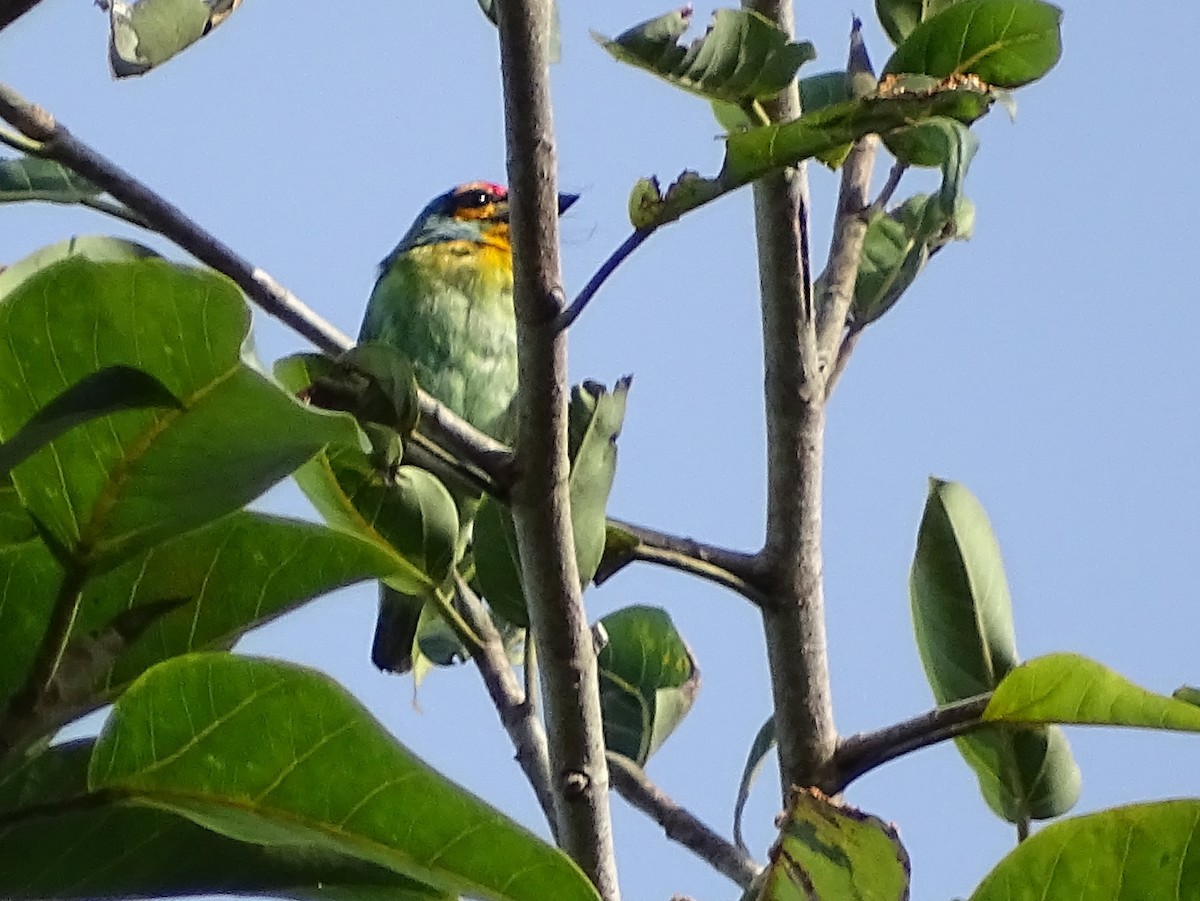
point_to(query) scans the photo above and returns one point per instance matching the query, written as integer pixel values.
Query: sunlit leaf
(147, 33)
(1140, 851)
(1007, 43)
(742, 57)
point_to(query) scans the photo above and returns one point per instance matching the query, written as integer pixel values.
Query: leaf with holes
(742, 57)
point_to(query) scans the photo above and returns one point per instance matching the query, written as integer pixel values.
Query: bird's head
(476, 212)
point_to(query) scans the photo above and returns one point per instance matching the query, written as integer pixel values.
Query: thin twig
(540, 501)
(850, 226)
(734, 570)
(516, 713)
(879, 204)
(628, 246)
(58, 144)
(680, 824)
(845, 349)
(861, 753)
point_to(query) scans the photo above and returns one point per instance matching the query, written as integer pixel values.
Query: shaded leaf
(374, 382)
(32, 178)
(97, 248)
(962, 617)
(498, 562)
(764, 741)
(743, 56)
(109, 390)
(1007, 43)
(1069, 688)
(1139, 851)
(15, 524)
(201, 590)
(147, 33)
(218, 740)
(827, 849)
(648, 680)
(900, 17)
(407, 511)
(596, 415)
(173, 855)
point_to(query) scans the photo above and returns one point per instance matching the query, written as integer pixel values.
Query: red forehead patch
(496, 190)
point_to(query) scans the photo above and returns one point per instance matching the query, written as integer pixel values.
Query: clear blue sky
(1049, 363)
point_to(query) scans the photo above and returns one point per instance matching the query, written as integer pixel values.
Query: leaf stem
(615, 259)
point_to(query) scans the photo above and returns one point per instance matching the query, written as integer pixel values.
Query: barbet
(444, 299)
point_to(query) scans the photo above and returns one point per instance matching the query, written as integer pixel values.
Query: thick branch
(540, 499)
(517, 713)
(861, 753)
(58, 144)
(794, 620)
(680, 824)
(730, 569)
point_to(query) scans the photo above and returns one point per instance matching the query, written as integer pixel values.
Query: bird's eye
(469, 200)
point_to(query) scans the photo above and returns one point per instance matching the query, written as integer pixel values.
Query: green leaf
(173, 855)
(831, 850)
(648, 680)
(764, 741)
(962, 616)
(109, 390)
(374, 382)
(743, 56)
(238, 573)
(498, 563)
(147, 33)
(115, 486)
(15, 524)
(824, 89)
(1069, 688)
(1140, 851)
(900, 17)
(31, 178)
(1006, 43)
(897, 247)
(256, 750)
(97, 248)
(596, 415)
(407, 512)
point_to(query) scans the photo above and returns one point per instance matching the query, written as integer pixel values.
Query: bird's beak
(565, 201)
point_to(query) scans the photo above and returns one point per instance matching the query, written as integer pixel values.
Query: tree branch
(680, 824)
(730, 569)
(850, 227)
(861, 753)
(58, 144)
(517, 713)
(540, 499)
(790, 561)
(628, 246)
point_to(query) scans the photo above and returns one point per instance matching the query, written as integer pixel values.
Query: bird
(444, 299)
